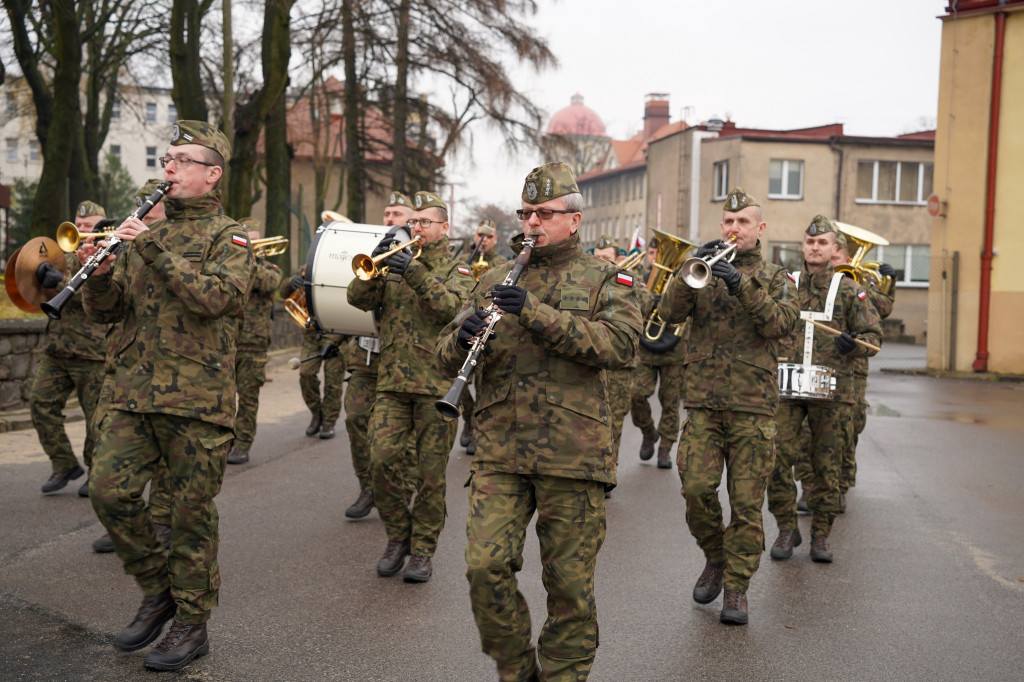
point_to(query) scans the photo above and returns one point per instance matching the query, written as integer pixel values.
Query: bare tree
(186, 64)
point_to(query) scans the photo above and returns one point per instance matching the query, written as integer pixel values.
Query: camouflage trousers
(571, 529)
(619, 384)
(359, 398)
(329, 408)
(743, 444)
(250, 375)
(830, 425)
(128, 448)
(848, 470)
(670, 395)
(55, 380)
(402, 421)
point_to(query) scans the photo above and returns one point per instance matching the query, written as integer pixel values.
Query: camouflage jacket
(541, 404)
(74, 335)
(359, 360)
(650, 351)
(254, 324)
(177, 290)
(732, 351)
(852, 312)
(883, 306)
(415, 307)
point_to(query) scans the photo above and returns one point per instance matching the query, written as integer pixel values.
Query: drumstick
(836, 332)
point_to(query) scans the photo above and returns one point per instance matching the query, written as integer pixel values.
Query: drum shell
(806, 382)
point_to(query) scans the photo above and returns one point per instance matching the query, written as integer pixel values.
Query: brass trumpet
(365, 267)
(69, 237)
(631, 261)
(269, 246)
(697, 271)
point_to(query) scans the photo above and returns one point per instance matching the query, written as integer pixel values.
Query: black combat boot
(394, 558)
(61, 478)
(148, 622)
(327, 431)
(362, 506)
(182, 643)
(419, 569)
(709, 584)
(734, 608)
(314, 426)
(664, 460)
(647, 447)
(103, 545)
(820, 550)
(238, 456)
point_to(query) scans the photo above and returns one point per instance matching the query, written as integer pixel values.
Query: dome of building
(576, 119)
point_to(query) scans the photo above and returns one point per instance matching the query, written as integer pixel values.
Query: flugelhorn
(70, 237)
(269, 246)
(697, 271)
(366, 268)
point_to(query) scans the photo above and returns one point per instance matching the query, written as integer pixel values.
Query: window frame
(922, 198)
(720, 190)
(785, 195)
(151, 108)
(151, 155)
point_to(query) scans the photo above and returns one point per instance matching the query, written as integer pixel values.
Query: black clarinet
(449, 404)
(53, 307)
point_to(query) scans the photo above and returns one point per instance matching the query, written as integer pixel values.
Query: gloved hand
(298, 281)
(708, 249)
(384, 245)
(48, 276)
(845, 343)
(724, 271)
(509, 298)
(398, 263)
(887, 270)
(471, 326)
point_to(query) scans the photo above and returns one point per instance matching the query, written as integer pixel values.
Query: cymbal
(861, 234)
(20, 276)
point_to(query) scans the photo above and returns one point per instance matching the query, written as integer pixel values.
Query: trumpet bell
(69, 237)
(696, 273)
(366, 268)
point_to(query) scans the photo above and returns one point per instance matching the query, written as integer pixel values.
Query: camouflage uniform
(544, 445)
(359, 398)
(176, 289)
(253, 344)
(415, 306)
(830, 421)
(731, 393)
(72, 360)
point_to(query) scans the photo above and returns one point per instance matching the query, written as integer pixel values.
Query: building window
(150, 112)
(893, 182)
(12, 149)
(911, 262)
(785, 179)
(115, 111)
(172, 113)
(33, 150)
(150, 157)
(115, 149)
(721, 186)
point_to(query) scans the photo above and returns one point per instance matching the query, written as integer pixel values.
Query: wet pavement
(928, 579)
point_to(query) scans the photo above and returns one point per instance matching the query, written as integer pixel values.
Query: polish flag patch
(862, 295)
(624, 279)
(791, 276)
(239, 240)
(463, 270)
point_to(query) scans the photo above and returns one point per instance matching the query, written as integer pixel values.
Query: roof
(822, 133)
(576, 119)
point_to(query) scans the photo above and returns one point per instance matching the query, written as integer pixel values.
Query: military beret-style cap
(550, 181)
(396, 198)
(486, 228)
(203, 134)
(250, 223)
(89, 208)
(841, 241)
(606, 241)
(147, 189)
(738, 199)
(424, 200)
(820, 225)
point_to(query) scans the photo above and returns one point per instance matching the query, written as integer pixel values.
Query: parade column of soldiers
(175, 290)
(72, 361)
(417, 297)
(542, 421)
(731, 394)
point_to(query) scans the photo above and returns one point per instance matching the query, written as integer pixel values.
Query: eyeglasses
(426, 223)
(181, 161)
(542, 213)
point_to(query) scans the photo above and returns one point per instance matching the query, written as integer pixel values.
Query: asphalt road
(928, 579)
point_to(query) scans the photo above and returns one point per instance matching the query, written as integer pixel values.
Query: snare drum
(329, 272)
(803, 382)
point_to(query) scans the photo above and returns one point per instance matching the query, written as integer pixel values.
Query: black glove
(708, 249)
(384, 245)
(298, 281)
(845, 343)
(887, 270)
(471, 326)
(329, 350)
(48, 276)
(398, 263)
(724, 271)
(509, 298)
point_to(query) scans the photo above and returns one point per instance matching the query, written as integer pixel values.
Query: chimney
(655, 113)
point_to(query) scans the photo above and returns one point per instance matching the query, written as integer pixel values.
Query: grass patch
(8, 311)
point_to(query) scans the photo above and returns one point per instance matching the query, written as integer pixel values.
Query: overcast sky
(872, 65)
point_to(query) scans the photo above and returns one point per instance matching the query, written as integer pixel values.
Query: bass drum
(329, 272)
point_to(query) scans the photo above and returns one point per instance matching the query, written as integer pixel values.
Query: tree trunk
(354, 170)
(187, 90)
(228, 100)
(400, 107)
(279, 177)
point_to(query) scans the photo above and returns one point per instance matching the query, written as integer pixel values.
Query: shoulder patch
(239, 240)
(463, 270)
(624, 279)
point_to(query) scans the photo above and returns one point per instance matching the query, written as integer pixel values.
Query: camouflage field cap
(652, 243)
(423, 200)
(841, 241)
(396, 198)
(146, 190)
(89, 208)
(201, 133)
(820, 225)
(550, 181)
(606, 241)
(738, 199)
(250, 223)
(486, 228)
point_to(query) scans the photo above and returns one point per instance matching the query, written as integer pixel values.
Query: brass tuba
(865, 273)
(269, 246)
(671, 253)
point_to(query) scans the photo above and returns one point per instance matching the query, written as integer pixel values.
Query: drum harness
(824, 316)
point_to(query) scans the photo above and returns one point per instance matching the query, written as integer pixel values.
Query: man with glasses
(176, 288)
(416, 297)
(543, 424)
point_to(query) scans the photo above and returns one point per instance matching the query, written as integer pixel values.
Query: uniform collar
(551, 254)
(749, 256)
(194, 207)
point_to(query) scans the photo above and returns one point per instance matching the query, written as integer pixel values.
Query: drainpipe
(836, 147)
(981, 361)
